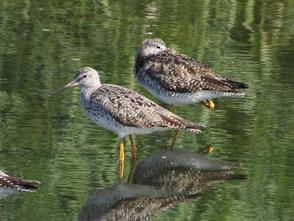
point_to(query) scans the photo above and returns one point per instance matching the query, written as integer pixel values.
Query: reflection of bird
(10, 185)
(122, 110)
(178, 79)
(125, 202)
(160, 181)
(183, 171)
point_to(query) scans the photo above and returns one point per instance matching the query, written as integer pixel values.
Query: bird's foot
(209, 104)
(206, 150)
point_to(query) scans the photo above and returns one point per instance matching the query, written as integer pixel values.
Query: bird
(177, 79)
(123, 110)
(10, 185)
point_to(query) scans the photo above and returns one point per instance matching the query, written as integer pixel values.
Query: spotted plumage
(122, 110)
(129, 111)
(10, 185)
(178, 79)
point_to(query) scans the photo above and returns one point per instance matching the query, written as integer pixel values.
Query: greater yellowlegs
(10, 185)
(122, 110)
(178, 79)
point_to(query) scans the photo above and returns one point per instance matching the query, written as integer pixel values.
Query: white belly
(105, 121)
(185, 98)
(111, 124)
(135, 130)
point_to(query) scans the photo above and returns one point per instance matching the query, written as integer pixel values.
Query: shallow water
(51, 140)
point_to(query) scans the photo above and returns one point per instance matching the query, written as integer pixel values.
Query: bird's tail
(173, 121)
(28, 185)
(193, 127)
(236, 84)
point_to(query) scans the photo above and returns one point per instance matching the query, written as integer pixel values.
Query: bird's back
(130, 109)
(179, 73)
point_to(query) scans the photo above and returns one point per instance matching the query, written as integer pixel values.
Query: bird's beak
(70, 84)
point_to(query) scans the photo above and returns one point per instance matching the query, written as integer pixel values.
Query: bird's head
(86, 77)
(151, 47)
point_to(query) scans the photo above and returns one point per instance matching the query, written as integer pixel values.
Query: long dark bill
(71, 84)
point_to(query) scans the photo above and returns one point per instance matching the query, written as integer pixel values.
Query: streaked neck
(87, 90)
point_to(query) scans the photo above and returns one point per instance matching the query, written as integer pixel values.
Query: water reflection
(159, 182)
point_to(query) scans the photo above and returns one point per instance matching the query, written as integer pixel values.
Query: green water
(43, 43)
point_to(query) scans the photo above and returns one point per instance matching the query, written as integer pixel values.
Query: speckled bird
(178, 79)
(122, 110)
(10, 185)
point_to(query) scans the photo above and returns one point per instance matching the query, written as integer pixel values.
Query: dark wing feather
(176, 122)
(134, 110)
(19, 184)
(179, 73)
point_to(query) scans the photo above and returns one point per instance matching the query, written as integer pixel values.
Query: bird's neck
(85, 96)
(86, 91)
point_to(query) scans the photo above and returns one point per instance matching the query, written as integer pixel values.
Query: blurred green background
(43, 44)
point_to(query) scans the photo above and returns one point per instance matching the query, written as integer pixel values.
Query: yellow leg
(210, 149)
(121, 158)
(209, 104)
(173, 109)
(133, 148)
(174, 138)
(133, 159)
(206, 150)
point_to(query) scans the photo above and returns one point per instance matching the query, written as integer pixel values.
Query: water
(50, 139)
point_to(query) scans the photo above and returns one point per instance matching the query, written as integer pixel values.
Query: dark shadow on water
(160, 181)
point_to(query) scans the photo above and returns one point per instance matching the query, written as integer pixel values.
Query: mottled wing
(210, 80)
(126, 106)
(181, 74)
(134, 110)
(18, 184)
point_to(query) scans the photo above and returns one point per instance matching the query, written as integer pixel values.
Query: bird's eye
(84, 76)
(158, 47)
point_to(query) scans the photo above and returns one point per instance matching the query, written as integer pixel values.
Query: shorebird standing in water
(178, 79)
(123, 111)
(10, 185)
